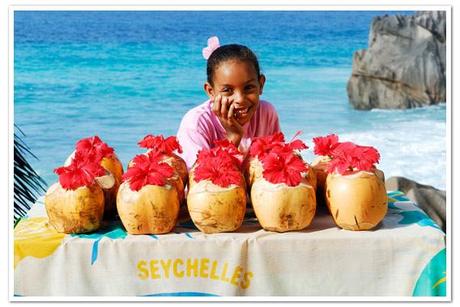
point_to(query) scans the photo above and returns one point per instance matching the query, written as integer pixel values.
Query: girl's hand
(224, 109)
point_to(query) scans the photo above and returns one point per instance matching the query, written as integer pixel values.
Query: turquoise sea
(124, 74)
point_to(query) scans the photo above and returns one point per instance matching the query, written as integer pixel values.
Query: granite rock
(404, 65)
(428, 198)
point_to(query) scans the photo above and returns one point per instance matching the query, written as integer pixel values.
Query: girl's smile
(238, 82)
(242, 114)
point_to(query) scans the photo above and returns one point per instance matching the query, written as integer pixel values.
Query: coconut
(106, 181)
(379, 174)
(176, 162)
(167, 146)
(320, 165)
(310, 177)
(75, 211)
(216, 209)
(148, 199)
(191, 176)
(180, 178)
(179, 166)
(113, 165)
(260, 146)
(280, 207)
(151, 210)
(283, 188)
(357, 201)
(178, 184)
(217, 189)
(76, 203)
(254, 169)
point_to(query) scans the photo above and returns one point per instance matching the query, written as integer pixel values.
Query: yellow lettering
(213, 274)
(223, 276)
(246, 280)
(204, 267)
(236, 275)
(191, 267)
(175, 270)
(166, 265)
(154, 269)
(144, 273)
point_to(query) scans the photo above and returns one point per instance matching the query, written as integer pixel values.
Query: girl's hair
(231, 52)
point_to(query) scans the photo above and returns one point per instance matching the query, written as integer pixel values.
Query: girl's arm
(191, 141)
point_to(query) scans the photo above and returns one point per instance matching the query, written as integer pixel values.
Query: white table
(404, 256)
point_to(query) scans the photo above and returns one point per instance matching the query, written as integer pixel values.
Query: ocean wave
(417, 152)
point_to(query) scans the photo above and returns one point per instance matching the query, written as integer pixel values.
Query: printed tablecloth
(404, 256)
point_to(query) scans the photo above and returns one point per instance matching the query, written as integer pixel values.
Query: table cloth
(404, 256)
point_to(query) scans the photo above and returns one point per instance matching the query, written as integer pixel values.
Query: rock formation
(404, 65)
(428, 198)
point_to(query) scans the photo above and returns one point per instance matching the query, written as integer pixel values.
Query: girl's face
(238, 81)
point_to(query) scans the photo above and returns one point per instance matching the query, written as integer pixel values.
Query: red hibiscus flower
(349, 157)
(297, 144)
(261, 146)
(339, 165)
(283, 167)
(148, 169)
(81, 172)
(325, 145)
(368, 157)
(206, 155)
(224, 149)
(94, 148)
(292, 147)
(219, 169)
(227, 147)
(160, 144)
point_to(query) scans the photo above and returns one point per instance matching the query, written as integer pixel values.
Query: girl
(234, 110)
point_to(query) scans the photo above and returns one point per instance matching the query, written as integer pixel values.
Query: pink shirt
(200, 128)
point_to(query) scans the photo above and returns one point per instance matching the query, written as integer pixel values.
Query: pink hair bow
(213, 44)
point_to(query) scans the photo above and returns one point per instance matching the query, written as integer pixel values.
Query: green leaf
(28, 185)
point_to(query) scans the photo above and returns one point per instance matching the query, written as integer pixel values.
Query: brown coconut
(179, 165)
(310, 177)
(114, 166)
(180, 178)
(178, 184)
(320, 165)
(216, 209)
(253, 170)
(151, 210)
(176, 162)
(280, 207)
(191, 176)
(75, 211)
(357, 201)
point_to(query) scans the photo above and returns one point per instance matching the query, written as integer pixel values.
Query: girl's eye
(225, 90)
(249, 87)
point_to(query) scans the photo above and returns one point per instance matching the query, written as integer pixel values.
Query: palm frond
(28, 185)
